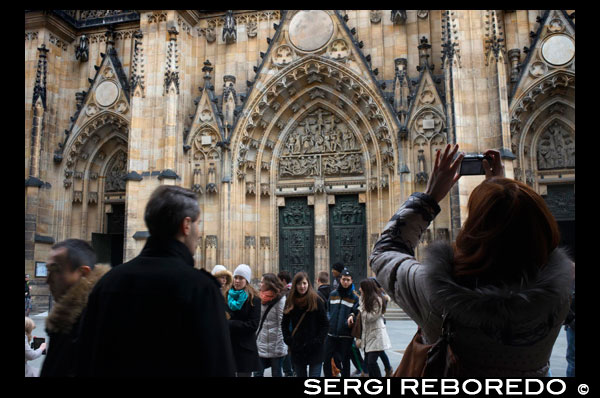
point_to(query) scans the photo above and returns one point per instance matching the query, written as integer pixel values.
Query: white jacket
(374, 334)
(269, 341)
(31, 354)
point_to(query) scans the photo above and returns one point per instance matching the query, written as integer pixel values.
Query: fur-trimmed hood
(226, 274)
(541, 300)
(66, 312)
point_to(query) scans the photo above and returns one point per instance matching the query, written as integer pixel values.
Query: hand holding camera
(492, 164)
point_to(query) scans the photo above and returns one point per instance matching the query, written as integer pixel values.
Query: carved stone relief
(283, 55)
(339, 49)
(115, 177)
(556, 148)
(321, 145)
(428, 123)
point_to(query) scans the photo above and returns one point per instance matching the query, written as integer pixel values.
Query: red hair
(509, 233)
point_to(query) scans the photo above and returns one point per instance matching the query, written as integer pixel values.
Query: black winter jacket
(156, 315)
(243, 325)
(63, 326)
(307, 344)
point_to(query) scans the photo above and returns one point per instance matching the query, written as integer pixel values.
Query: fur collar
(490, 307)
(64, 314)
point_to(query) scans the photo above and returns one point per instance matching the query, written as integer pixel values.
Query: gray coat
(270, 339)
(499, 331)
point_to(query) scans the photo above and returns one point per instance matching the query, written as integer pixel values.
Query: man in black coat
(157, 315)
(72, 273)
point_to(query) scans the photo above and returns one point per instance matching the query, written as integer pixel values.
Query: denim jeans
(314, 370)
(273, 363)
(570, 351)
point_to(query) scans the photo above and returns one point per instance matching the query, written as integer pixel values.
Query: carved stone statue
(82, 50)
(398, 16)
(422, 176)
(229, 29)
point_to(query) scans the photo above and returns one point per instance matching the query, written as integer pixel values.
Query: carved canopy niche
(205, 160)
(320, 145)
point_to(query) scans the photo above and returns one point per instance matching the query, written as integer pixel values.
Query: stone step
(395, 313)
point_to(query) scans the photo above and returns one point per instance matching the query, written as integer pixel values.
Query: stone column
(319, 200)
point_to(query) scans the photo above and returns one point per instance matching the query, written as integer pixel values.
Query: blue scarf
(236, 299)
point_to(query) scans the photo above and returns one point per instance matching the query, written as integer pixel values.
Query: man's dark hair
(168, 206)
(339, 267)
(284, 275)
(323, 277)
(79, 253)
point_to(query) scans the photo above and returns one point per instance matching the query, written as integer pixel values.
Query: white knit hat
(244, 271)
(218, 268)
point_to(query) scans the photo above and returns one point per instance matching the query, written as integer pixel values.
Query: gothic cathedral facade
(301, 131)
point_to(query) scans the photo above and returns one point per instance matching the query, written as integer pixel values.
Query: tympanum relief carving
(556, 148)
(321, 145)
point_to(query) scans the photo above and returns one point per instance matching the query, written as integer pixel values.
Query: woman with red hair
(504, 284)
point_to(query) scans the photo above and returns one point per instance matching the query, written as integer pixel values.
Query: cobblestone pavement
(400, 332)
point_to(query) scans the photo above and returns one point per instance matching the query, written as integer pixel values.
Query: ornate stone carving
(229, 28)
(556, 148)
(210, 32)
(137, 66)
(172, 68)
(251, 28)
(250, 241)
(538, 69)
(39, 89)
(265, 189)
(283, 55)
(398, 17)
(421, 176)
(93, 197)
(321, 144)
(115, 177)
(77, 196)
(265, 242)
(211, 241)
(375, 16)
(82, 50)
(428, 123)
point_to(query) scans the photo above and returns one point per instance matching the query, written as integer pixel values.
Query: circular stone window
(558, 49)
(107, 93)
(310, 29)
